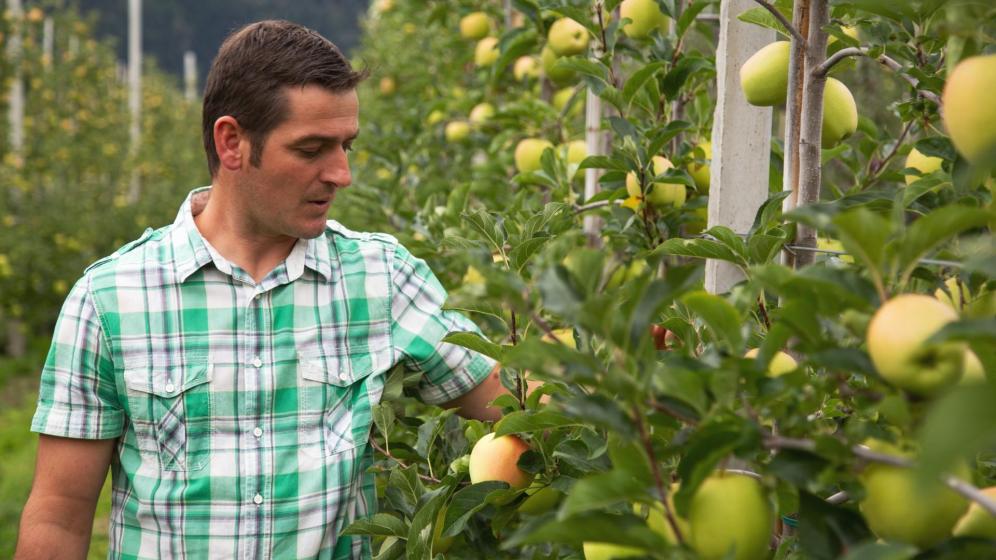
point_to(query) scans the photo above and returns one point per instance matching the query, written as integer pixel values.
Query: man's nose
(336, 170)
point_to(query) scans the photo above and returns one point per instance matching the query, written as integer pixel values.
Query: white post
(741, 139)
(596, 143)
(15, 112)
(190, 75)
(48, 40)
(135, 90)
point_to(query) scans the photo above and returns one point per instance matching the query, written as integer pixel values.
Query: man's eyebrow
(323, 139)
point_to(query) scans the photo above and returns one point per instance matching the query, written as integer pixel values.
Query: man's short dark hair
(254, 66)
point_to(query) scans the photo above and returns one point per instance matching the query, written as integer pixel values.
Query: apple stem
(658, 477)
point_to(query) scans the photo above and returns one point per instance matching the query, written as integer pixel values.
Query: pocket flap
(167, 381)
(343, 371)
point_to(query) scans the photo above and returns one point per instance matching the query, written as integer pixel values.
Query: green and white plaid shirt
(243, 409)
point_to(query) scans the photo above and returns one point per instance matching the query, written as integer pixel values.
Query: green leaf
(487, 226)
(706, 448)
(687, 66)
(383, 416)
(864, 234)
(602, 162)
(525, 421)
(602, 411)
(526, 250)
(637, 80)
(762, 17)
(699, 248)
(826, 530)
(420, 532)
(728, 237)
(378, 525)
(477, 343)
(627, 529)
(688, 16)
(599, 491)
(767, 214)
(723, 320)
(882, 551)
(959, 424)
(465, 503)
(935, 228)
(967, 330)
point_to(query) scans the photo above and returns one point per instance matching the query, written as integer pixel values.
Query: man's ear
(230, 141)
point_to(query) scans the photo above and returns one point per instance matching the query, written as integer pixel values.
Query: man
(225, 366)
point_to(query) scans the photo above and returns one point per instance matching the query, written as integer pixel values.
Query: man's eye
(309, 153)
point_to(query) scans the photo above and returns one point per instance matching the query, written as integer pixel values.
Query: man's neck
(236, 240)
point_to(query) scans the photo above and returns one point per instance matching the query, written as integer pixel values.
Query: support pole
(190, 75)
(135, 93)
(741, 139)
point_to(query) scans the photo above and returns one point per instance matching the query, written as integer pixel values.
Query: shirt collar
(192, 251)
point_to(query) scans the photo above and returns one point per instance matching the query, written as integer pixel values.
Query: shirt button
(343, 376)
(257, 431)
(170, 388)
(257, 499)
(256, 362)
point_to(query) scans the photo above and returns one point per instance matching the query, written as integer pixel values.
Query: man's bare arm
(58, 517)
(474, 404)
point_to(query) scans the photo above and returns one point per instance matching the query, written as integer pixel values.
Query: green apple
(567, 37)
(475, 26)
(576, 150)
(563, 336)
(700, 171)
(974, 373)
(606, 551)
(440, 544)
(434, 117)
(481, 113)
(730, 511)
(625, 273)
(486, 52)
(542, 497)
(840, 113)
(969, 112)
(924, 164)
(646, 16)
(456, 131)
(528, 153)
(657, 517)
(526, 67)
(764, 76)
(561, 97)
(977, 522)
(897, 506)
(780, 364)
(897, 336)
(659, 194)
(557, 74)
(828, 244)
(496, 459)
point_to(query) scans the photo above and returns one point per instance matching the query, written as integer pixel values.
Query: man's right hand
(58, 517)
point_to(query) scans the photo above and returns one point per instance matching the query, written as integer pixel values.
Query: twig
(386, 453)
(782, 20)
(882, 59)
(596, 205)
(658, 477)
(882, 165)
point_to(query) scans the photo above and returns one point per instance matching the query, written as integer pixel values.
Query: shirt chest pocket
(338, 394)
(170, 411)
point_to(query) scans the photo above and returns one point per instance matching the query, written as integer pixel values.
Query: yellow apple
(700, 171)
(659, 194)
(631, 202)
(528, 153)
(730, 511)
(557, 74)
(567, 37)
(564, 336)
(924, 164)
(646, 16)
(526, 67)
(833, 245)
(577, 150)
(956, 295)
(473, 277)
(561, 97)
(387, 85)
(625, 273)
(496, 459)
(475, 26)
(840, 113)
(969, 112)
(481, 113)
(764, 76)
(780, 364)
(897, 336)
(899, 507)
(977, 522)
(456, 131)
(606, 551)
(486, 52)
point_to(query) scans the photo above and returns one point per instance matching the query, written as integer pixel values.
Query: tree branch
(782, 20)
(882, 59)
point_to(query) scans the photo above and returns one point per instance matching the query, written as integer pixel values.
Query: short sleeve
(78, 397)
(419, 324)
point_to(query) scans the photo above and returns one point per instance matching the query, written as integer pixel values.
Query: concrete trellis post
(135, 91)
(741, 139)
(190, 75)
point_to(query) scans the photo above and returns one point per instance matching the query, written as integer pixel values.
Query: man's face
(303, 163)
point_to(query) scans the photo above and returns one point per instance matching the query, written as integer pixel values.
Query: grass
(18, 445)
